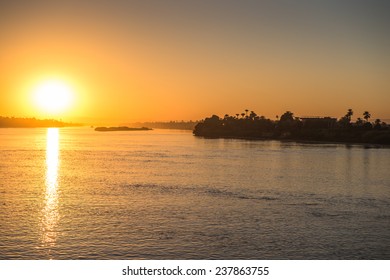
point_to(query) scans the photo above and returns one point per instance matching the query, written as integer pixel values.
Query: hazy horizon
(129, 61)
(105, 122)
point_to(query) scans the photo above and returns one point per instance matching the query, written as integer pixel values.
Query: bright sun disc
(53, 96)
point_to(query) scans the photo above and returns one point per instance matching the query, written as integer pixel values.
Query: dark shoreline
(290, 128)
(121, 128)
(12, 122)
(49, 126)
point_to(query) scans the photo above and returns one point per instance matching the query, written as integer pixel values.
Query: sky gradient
(182, 60)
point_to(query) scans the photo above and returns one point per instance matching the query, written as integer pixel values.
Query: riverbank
(12, 122)
(289, 128)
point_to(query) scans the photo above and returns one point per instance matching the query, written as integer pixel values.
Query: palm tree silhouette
(366, 116)
(349, 114)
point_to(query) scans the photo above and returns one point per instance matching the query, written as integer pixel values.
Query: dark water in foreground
(80, 194)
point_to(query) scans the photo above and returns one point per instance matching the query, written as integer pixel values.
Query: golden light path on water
(50, 214)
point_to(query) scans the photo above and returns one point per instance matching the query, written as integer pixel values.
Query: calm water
(79, 194)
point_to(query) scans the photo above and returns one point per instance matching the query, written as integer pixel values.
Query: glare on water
(74, 193)
(50, 210)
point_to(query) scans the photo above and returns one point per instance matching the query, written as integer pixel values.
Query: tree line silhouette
(250, 125)
(32, 122)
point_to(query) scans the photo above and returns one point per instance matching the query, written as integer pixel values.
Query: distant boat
(121, 128)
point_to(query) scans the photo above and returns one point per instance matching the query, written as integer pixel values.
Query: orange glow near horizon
(126, 61)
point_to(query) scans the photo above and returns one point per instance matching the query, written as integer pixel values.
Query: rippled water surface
(73, 193)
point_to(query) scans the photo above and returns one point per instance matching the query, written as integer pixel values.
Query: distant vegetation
(121, 128)
(249, 125)
(183, 125)
(32, 122)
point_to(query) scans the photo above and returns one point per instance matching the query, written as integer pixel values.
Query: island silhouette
(248, 125)
(180, 125)
(121, 128)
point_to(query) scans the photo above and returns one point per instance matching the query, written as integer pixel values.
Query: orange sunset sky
(180, 60)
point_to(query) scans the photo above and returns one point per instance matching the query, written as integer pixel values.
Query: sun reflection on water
(50, 214)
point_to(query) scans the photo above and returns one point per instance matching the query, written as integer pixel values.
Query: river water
(73, 193)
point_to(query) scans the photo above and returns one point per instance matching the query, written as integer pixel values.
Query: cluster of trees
(346, 121)
(32, 122)
(250, 125)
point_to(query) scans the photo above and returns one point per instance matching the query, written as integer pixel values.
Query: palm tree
(253, 115)
(366, 116)
(346, 120)
(349, 114)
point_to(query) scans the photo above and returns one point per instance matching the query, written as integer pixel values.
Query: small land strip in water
(121, 128)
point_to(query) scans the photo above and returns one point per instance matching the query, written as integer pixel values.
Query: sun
(53, 96)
